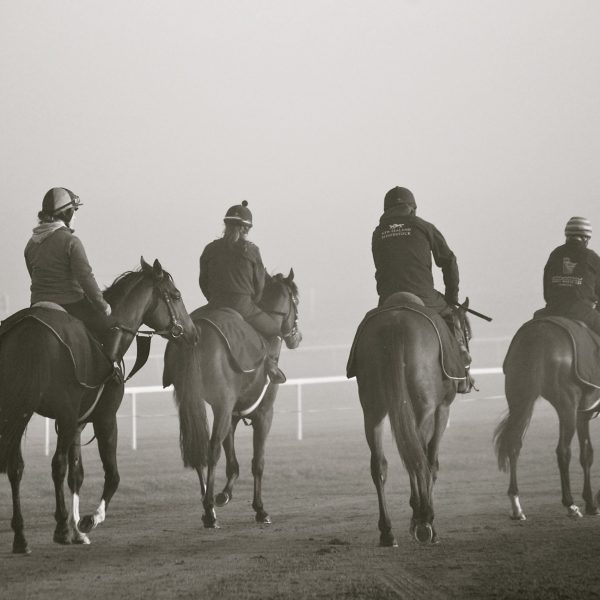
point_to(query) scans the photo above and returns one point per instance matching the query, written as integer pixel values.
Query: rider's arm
(204, 277)
(82, 272)
(444, 258)
(259, 275)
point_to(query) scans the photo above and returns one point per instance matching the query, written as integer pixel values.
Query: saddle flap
(450, 354)
(90, 365)
(246, 346)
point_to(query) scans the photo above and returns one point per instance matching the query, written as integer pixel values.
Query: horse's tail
(183, 365)
(25, 372)
(401, 413)
(521, 393)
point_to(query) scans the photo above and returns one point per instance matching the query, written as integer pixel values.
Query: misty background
(161, 115)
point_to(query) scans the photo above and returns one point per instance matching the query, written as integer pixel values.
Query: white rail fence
(300, 383)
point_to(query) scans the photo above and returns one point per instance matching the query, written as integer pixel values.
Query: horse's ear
(290, 277)
(157, 269)
(145, 265)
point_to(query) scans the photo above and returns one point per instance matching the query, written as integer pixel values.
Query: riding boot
(275, 374)
(111, 345)
(468, 383)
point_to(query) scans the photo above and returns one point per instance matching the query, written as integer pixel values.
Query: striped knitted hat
(578, 226)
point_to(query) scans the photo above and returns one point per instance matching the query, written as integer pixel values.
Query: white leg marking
(573, 511)
(100, 514)
(77, 537)
(517, 511)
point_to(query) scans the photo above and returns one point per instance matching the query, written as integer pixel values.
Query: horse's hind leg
(232, 468)
(261, 425)
(15, 470)
(106, 433)
(75, 481)
(374, 434)
(586, 458)
(567, 426)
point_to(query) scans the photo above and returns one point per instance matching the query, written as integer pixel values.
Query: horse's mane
(125, 282)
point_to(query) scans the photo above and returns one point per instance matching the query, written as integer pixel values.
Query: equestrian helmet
(58, 200)
(578, 226)
(239, 215)
(397, 196)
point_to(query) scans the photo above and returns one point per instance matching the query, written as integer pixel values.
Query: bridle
(290, 317)
(174, 330)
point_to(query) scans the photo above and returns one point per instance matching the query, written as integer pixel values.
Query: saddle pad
(90, 365)
(450, 356)
(246, 347)
(586, 347)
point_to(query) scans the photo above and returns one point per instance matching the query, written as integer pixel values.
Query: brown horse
(398, 370)
(540, 364)
(205, 373)
(37, 375)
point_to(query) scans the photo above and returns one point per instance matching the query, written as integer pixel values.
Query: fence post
(47, 437)
(133, 422)
(299, 409)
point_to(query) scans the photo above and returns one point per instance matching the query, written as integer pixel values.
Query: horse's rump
(546, 333)
(451, 363)
(247, 349)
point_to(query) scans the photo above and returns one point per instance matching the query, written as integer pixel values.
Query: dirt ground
(323, 542)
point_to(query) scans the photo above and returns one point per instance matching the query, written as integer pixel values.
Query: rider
(572, 277)
(232, 275)
(402, 247)
(58, 266)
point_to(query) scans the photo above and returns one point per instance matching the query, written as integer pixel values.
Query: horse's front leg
(106, 432)
(261, 425)
(232, 468)
(586, 458)
(75, 481)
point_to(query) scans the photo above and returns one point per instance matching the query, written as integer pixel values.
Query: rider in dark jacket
(403, 245)
(58, 266)
(572, 277)
(232, 275)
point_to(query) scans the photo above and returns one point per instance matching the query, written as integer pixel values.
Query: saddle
(585, 343)
(91, 367)
(450, 355)
(247, 348)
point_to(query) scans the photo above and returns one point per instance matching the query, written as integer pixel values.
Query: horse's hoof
(592, 511)
(86, 524)
(520, 516)
(24, 550)
(62, 538)
(210, 523)
(574, 512)
(222, 499)
(81, 539)
(264, 519)
(423, 533)
(387, 540)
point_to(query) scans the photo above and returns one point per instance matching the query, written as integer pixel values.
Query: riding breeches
(98, 323)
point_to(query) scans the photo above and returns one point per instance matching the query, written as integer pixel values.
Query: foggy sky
(160, 115)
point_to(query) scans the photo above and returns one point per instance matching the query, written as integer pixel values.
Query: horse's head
(149, 296)
(280, 297)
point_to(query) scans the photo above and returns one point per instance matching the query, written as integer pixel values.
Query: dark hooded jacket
(403, 246)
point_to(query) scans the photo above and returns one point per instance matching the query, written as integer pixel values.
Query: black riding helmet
(239, 215)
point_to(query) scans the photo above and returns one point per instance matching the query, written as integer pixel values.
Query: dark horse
(205, 373)
(37, 376)
(540, 364)
(398, 370)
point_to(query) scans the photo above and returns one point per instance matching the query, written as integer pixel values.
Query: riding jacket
(233, 275)
(59, 268)
(402, 248)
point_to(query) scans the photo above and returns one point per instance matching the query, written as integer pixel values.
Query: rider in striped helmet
(572, 276)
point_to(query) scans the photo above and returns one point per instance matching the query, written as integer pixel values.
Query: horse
(37, 376)
(399, 374)
(540, 363)
(205, 373)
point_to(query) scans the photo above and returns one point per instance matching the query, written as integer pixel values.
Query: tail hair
(183, 364)
(509, 433)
